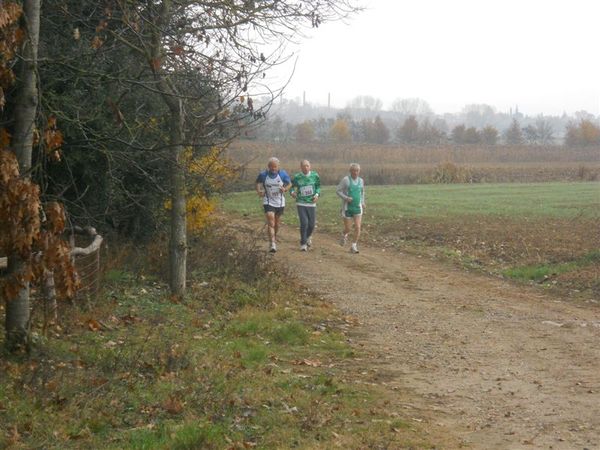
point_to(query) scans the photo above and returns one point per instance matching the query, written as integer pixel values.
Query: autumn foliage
(340, 131)
(585, 133)
(11, 35)
(53, 139)
(27, 230)
(214, 171)
(22, 232)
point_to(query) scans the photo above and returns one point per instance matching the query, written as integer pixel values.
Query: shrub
(449, 172)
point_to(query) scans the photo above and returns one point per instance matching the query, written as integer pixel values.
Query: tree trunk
(17, 309)
(178, 232)
(27, 97)
(178, 238)
(17, 312)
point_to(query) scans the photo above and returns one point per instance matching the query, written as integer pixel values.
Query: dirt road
(487, 363)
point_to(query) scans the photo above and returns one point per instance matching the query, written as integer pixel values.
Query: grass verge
(246, 360)
(544, 272)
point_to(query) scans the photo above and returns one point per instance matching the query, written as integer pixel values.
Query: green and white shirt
(352, 193)
(306, 187)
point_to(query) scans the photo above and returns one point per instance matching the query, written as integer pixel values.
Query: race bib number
(306, 191)
(274, 191)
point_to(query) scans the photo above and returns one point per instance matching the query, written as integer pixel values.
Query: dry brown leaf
(173, 406)
(307, 362)
(94, 325)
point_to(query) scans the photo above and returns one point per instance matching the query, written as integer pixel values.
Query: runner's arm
(259, 184)
(287, 182)
(362, 195)
(317, 185)
(294, 187)
(342, 188)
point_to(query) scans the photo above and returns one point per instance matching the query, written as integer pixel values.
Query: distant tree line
(412, 121)
(412, 131)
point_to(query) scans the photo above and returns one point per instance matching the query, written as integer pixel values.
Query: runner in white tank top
(271, 185)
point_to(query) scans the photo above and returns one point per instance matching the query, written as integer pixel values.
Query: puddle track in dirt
(480, 360)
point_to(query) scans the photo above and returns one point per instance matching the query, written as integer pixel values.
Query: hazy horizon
(387, 106)
(537, 55)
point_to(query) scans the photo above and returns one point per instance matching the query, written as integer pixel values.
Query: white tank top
(273, 195)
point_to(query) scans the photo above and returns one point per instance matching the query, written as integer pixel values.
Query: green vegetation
(542, 272)
(522, 231)
(508, 200)
(387, 203)
(246, 360)
(538, 272)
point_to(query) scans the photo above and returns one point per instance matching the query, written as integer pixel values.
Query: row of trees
(583, 133)
(424, 132)
(539, 134)
(477, 116)
(343, 130)
(136, 102)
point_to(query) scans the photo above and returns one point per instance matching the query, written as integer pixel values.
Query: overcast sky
(542, 55)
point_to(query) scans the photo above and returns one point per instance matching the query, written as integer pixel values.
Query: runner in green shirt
(306, 188)
(352, 192)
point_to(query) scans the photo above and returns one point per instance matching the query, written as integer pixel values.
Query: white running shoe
(273, 248)
(343, 239)
(303, 247)
(309, 242)
(354, 248)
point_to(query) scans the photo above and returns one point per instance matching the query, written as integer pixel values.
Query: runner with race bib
(306, 189)
(271, 185)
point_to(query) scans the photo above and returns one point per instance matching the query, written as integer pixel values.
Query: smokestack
(303, 98)
(329, 100)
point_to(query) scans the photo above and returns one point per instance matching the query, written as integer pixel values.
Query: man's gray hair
(355, 166)
(272, 160)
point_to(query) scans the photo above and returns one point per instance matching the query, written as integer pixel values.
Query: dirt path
(491, 364)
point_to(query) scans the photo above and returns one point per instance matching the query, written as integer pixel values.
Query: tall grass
(401, 164)
(412, 154)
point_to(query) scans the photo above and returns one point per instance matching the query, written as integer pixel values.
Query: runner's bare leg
(357, 224)
(276, 226)
(347, 225)
(271, 226)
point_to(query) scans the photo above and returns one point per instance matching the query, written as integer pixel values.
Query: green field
(387, 203)
(546, 232)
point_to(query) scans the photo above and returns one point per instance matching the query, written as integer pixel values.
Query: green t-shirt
(306, 187)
